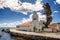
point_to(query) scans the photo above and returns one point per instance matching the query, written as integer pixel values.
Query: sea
(5, 36)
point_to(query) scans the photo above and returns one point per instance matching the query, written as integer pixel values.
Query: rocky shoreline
(0, 35)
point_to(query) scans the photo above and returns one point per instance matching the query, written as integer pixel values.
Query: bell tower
(35, 22)
(35, 16)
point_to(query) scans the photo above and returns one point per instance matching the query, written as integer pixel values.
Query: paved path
(44, 34)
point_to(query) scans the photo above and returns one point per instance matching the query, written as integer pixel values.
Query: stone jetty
(33, 35)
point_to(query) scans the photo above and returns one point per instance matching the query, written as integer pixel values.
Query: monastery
(34, 25)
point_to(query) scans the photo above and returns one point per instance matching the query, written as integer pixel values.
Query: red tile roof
(53, 26)
(25, 24)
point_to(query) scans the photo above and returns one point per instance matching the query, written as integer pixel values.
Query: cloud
(18, 6)
(41, 17)
(12, 24)
(55, 11)
(9, 3)
(27, 19)
(58, 1)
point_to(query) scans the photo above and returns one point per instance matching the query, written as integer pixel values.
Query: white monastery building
(34, 25)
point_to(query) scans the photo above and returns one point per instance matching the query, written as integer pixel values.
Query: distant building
(24, 26)
(34, 25)
(54, 26)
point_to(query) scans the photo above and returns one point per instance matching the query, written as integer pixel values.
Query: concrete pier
(34, 35)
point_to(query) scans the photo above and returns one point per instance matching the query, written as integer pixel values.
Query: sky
(13, 12)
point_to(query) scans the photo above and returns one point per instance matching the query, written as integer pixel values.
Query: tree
(47, 12)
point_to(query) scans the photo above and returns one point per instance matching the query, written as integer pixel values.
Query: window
(34, 19)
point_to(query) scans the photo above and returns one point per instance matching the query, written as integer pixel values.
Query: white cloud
(41, 17)
(58, 1)
(12, 24)
(23, 7)
(9, 3)
(27, 19)
(55, 11)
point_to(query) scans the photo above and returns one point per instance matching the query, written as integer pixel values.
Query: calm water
(5, 36)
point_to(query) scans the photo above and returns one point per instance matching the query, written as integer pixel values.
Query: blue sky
(16, 13)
